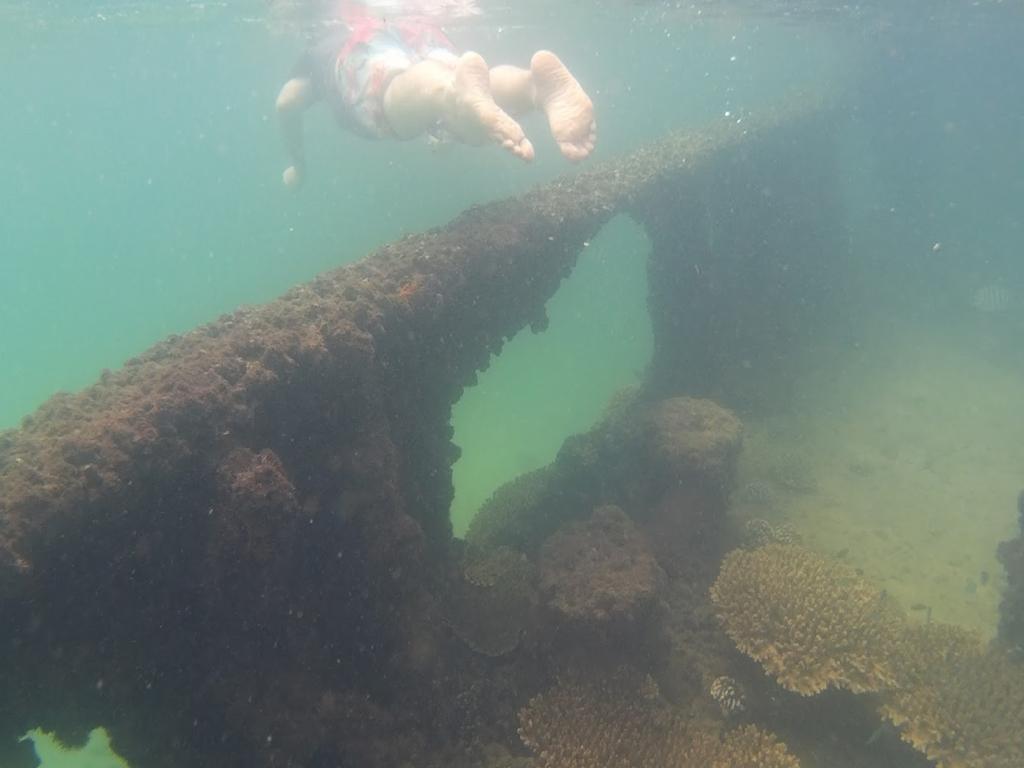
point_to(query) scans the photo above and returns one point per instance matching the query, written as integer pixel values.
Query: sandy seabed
(903, 455)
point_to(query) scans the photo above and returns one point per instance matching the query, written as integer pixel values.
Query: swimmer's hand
(292, 177)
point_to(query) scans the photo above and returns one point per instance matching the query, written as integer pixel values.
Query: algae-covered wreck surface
(236, 549)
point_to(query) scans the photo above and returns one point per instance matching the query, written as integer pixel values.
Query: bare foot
(570, 111)
(292, 177)
(475, 118)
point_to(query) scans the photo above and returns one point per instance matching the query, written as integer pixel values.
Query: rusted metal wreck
(236, 549)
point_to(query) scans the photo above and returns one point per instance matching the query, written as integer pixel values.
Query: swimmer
(401, 78)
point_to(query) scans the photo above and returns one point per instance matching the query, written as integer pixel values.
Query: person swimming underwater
(400, 77)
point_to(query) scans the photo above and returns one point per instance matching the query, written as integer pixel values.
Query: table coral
(811, 623)
(610, 725)
(956, 703)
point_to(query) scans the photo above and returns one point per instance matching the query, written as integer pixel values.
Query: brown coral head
(599, 570)
(694, 439)
(491, 607)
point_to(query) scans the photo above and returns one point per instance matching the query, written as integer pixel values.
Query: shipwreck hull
(237, 543)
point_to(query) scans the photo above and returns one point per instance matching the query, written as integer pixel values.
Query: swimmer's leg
(459, 97)
(513, 89)
(295, 97)
(548, 85)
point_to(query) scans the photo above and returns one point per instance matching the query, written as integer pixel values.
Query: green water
(544, 387)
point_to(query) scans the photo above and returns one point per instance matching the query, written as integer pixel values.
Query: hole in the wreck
(545, 387)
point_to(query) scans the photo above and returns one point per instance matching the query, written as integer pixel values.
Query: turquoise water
(141, 196)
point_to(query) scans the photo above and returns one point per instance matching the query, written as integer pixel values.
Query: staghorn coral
(610, 725)
(957, 704)
(810, 623)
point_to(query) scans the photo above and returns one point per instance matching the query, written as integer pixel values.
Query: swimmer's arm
(295, 97)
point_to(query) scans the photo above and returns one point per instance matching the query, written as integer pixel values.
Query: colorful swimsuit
(352, 69)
